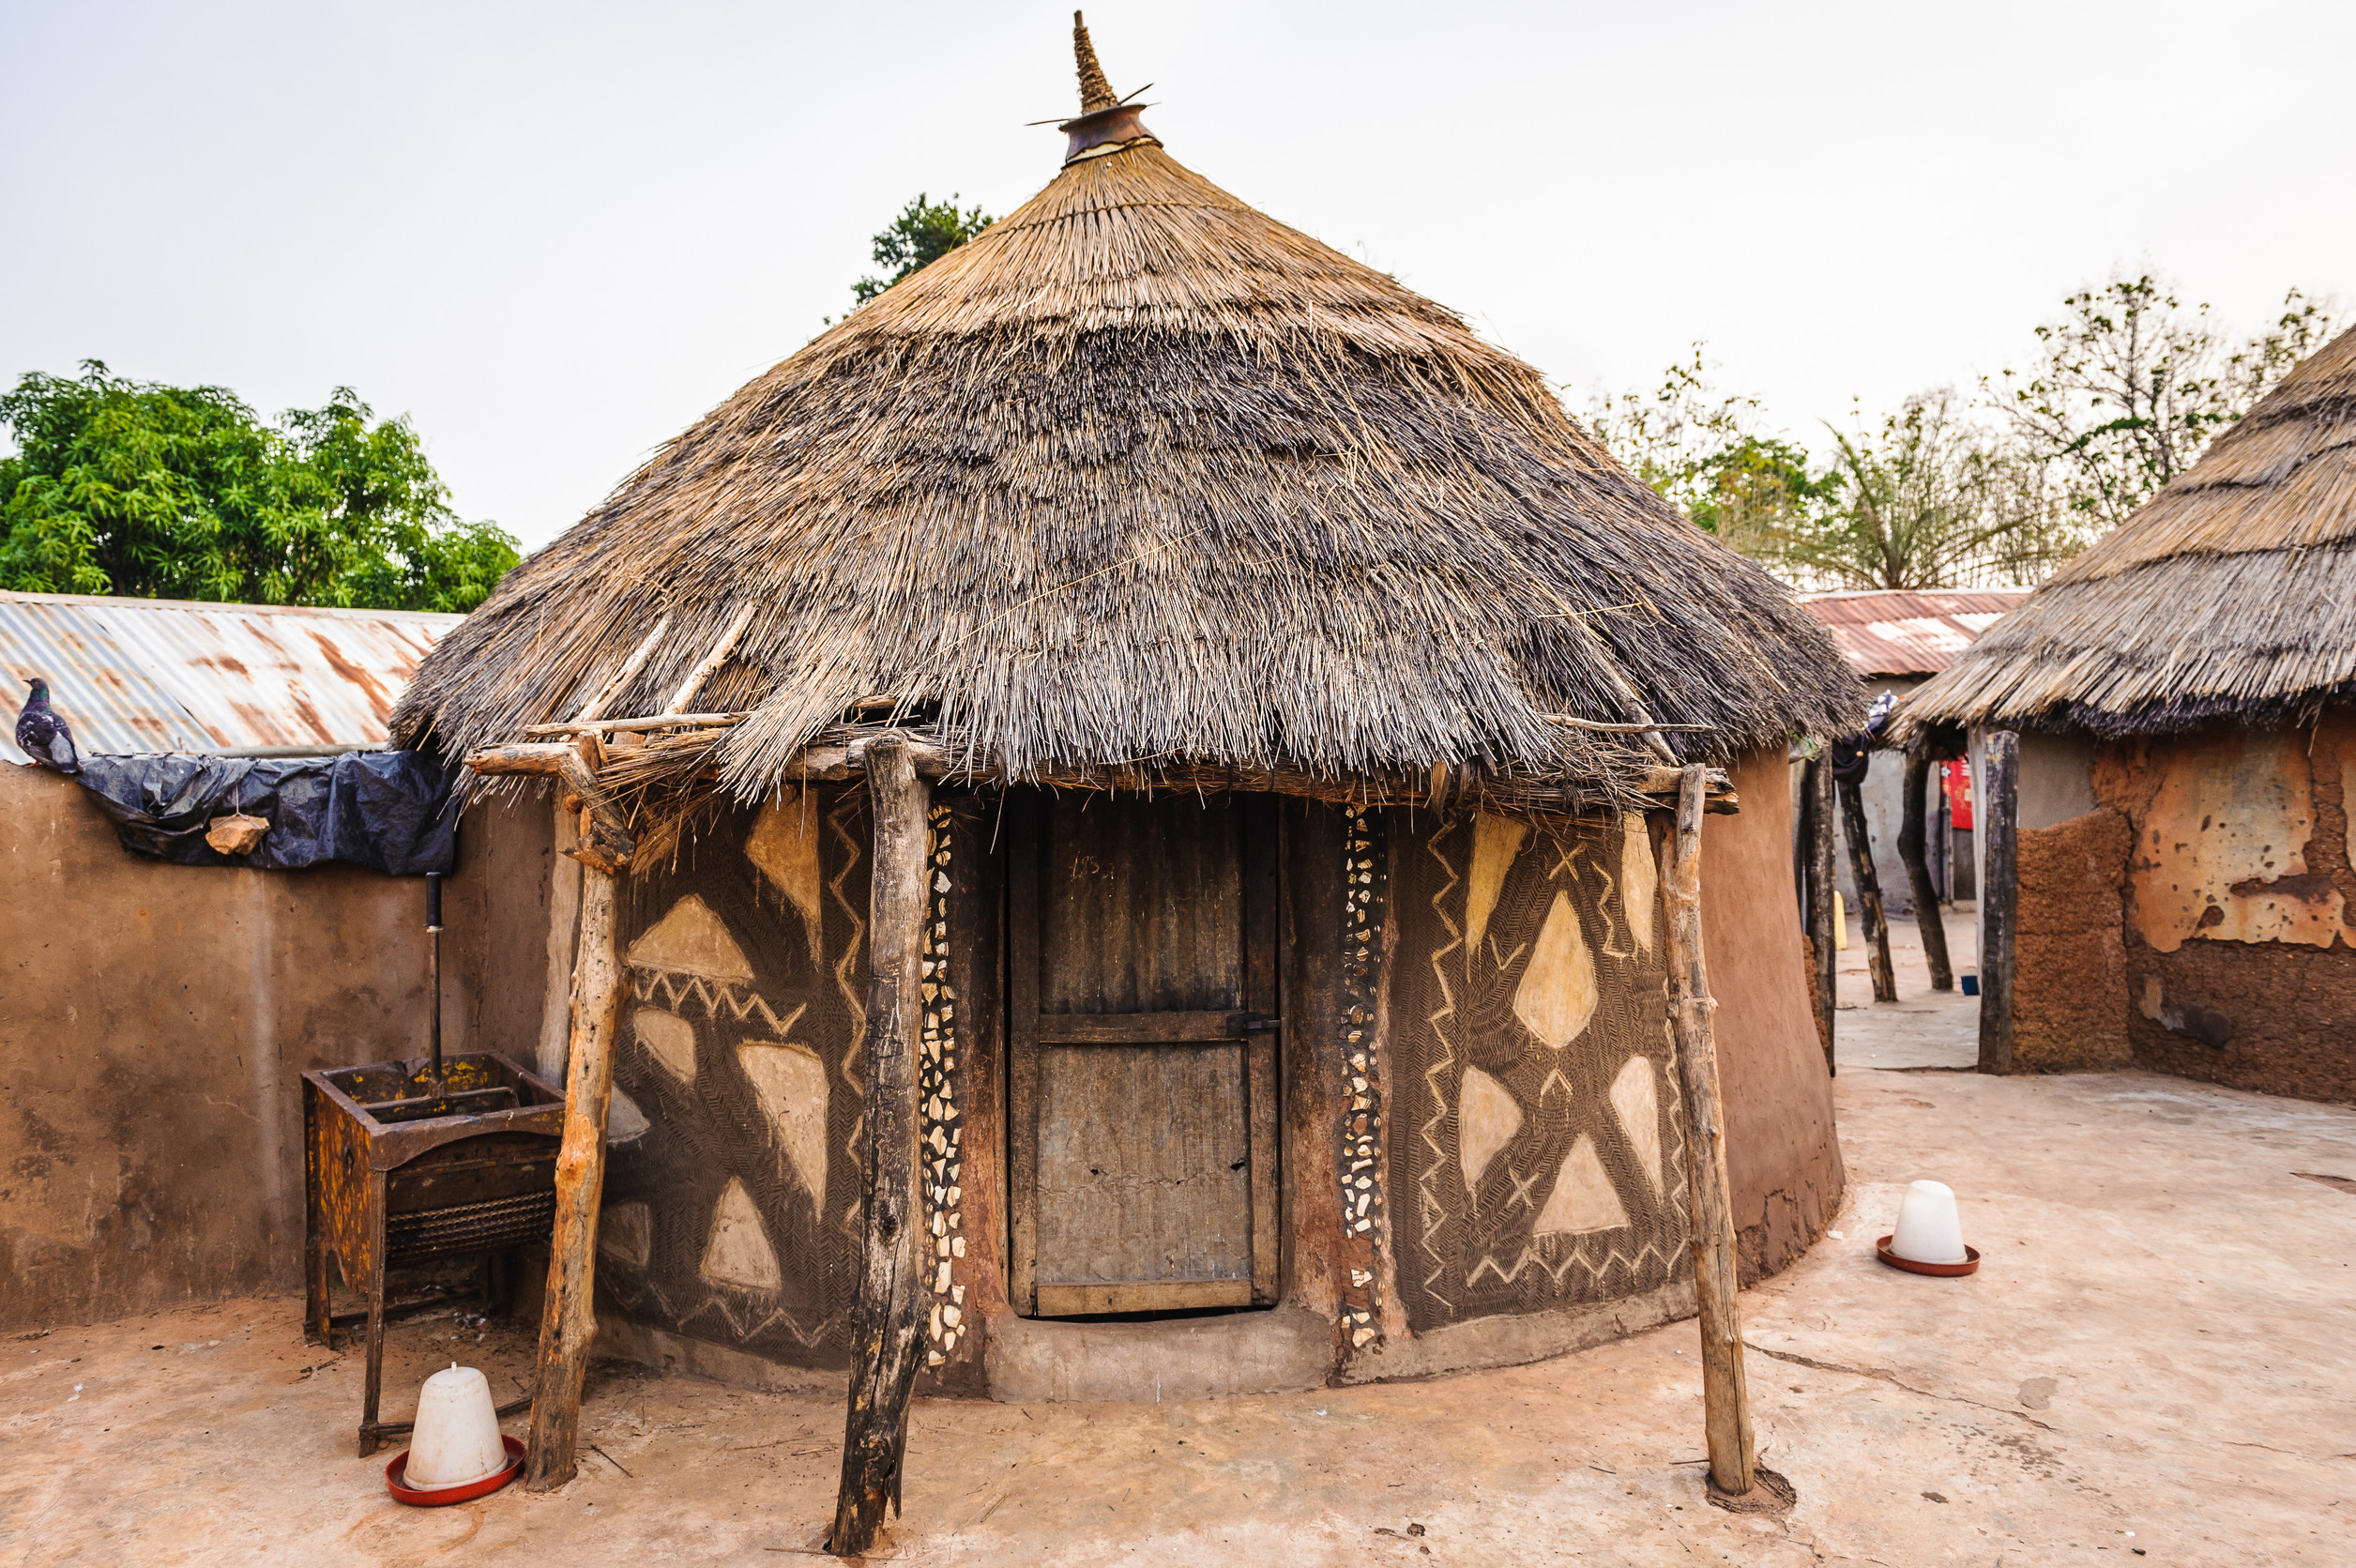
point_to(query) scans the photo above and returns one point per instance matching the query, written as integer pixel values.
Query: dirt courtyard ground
(2154, 1364)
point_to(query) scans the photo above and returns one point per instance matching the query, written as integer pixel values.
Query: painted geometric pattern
(731, 1205)
(1362, 1213)
(1536, 1125)
(943, 1130)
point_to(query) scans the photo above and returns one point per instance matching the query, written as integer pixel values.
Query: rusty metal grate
(504, 1222)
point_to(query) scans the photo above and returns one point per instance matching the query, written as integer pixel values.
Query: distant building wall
(2057, 779)
(153, 1020)
(1885, 810)
(2069, 961)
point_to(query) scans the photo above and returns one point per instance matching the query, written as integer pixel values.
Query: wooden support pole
(631, 666)
(885, 1345)
(1726, 1402)
(712, 661)
(566, 1324)
(1817, 782)
(2000, 896)
(605, 842)
(1911, 835)
(1872, 922)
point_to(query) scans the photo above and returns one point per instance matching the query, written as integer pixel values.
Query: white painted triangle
(790, 1082)
(1487, 1121)
(1640, 880)
(1557, 996)
(623, 1233)
(691, 940)
(1495, 841)
(1583, 1198)
(669, 1039)
(738, 1252)
(1636, 1100)
(624, 1121)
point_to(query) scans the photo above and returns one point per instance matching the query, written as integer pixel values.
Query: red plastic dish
(1881, 1250)
(396, 1472)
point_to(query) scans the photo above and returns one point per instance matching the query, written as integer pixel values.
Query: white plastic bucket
(1928, 1230)
(456, 1438)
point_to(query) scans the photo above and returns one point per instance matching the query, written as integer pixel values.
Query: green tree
(2131, 385)
(1711, 455)
(143, 490)
(1931, 497)
(925, 232)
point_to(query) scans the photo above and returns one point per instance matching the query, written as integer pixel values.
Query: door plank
(1143, 1159)
(1024, 851)
(1148, 1028)
(1260, 890)
(1176, 1295)
(1138, 906)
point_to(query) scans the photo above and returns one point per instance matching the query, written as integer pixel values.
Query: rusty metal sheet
(1913, 633)
(145, 675)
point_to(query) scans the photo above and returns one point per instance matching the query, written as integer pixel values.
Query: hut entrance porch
(1144, 1035)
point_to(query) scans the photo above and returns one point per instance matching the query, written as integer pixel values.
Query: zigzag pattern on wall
(840, 819)
(1549, 1155)
(1431, 1210)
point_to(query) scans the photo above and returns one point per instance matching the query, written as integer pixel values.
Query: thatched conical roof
(2231, 593)
(1142, 475)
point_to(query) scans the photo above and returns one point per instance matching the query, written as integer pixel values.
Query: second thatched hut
(2184, 700)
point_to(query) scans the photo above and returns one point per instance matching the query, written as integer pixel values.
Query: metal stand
(409, 1160)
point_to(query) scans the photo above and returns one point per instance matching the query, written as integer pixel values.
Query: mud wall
(1537, 1144)
(1536, 1140)
(731, 1214)
(732, 1190)
(1783, 1154)
(2069, 958)
(2241, 904)
(153, 1020)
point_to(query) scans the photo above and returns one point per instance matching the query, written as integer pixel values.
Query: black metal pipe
(433, 966)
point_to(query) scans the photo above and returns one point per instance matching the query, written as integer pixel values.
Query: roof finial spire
(1095, 92)
(1105, 124)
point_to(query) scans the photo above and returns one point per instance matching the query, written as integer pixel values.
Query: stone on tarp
(236, 834)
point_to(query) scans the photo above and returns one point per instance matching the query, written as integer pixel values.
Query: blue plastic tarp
(387, 810)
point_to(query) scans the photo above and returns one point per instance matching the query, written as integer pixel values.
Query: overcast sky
(554, 235)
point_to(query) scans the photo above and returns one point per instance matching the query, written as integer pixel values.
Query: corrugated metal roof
(1909, 631)
(160, 675)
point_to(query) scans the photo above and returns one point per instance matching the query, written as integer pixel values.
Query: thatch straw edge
(2231, 594)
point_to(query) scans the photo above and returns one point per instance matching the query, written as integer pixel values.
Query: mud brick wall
(2070, 959)
(155, 1018)
(2241, 904)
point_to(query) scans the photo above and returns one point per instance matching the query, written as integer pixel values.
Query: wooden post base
(567, 1325)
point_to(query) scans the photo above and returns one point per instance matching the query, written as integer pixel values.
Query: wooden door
(1142, 1116)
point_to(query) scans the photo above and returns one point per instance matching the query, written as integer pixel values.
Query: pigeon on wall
(44, 733)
